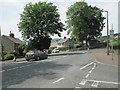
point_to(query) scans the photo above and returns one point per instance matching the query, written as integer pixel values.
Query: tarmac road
(76, 70)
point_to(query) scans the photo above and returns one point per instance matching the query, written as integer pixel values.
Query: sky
(10, 13)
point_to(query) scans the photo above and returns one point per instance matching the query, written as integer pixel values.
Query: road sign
(111, 34)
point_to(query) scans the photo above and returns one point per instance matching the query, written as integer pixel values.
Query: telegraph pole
(107, 34)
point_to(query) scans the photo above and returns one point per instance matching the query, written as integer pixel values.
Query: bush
(5, 52)
(63, 48)
(8, 56)
(51, 48)
(116, 44)
(24, 52)
(21, 48)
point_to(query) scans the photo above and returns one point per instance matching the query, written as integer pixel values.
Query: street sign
(111, 34)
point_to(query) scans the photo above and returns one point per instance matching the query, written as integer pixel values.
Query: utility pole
(111, 38)
(107, 34)
(0, 45)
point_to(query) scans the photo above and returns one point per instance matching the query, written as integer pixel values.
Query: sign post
(111, 37)
(0, 46)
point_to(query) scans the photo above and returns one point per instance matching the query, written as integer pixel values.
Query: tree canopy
(37, 22)
(84, 21)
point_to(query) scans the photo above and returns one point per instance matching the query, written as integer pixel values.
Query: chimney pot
(64, 37)
(12, 35)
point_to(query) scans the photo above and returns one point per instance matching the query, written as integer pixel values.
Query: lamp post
(0, 45)
(107, 34)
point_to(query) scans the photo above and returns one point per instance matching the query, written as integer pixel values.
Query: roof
(63, 40)
(15, 40)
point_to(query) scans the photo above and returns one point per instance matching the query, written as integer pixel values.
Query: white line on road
(87, 75)
(58, 80)
(90, 71)
(103, 81)
(77, 87)
(82, 82)
(17, 67)
(23, 66)
(95, 84)
(86, 65)
(2, 71)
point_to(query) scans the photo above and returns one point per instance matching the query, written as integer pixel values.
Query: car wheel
(38, 58)
(27, 59)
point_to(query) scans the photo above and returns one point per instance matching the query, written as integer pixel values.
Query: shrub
(21, 48)
(5, 52)
(24, 52)
(51, 48)
(8, 56)
(63, 48)
(116, 44)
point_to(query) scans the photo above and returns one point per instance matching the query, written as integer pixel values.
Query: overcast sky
(10, 10)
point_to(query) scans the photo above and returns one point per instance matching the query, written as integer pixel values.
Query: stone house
(66, 42)
(10, 43)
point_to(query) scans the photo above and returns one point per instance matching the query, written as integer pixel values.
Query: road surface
(76, 70)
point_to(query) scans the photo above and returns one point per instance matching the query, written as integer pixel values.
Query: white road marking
(87, 75)
(64, 56)
(77, 87)
(82, 82)
(86, 65)
(12, 69)
(103, 82)
(23, 66)
(18, 67)
(95, 84)
(90, 71)
(2, 71)
(58, 80)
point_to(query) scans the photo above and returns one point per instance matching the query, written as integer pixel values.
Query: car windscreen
(30, 52)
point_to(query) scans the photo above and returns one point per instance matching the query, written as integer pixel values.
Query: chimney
(65, 37)
(11, 34)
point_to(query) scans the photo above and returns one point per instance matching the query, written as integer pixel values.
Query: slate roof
(15, 40)
(63, 40)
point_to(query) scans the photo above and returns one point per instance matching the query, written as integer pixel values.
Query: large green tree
(38, 22)
(84, 21)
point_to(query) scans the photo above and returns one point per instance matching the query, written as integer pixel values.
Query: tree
(38, 21)
(21, 48)
(84, 21)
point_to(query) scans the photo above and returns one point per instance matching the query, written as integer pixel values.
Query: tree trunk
(82, 42)
(86, 43)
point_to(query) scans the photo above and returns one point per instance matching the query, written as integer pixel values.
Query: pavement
(100, 56)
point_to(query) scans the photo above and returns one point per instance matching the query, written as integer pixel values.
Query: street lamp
(107, 34)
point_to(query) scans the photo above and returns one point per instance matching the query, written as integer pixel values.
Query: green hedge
(5, 52)
(116, 44)
(63, 48)
(8, 56)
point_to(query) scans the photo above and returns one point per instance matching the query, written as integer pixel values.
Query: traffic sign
(111, 34)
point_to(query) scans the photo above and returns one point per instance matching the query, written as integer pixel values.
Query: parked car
(56, 50)
(36, 54)
(47, 51)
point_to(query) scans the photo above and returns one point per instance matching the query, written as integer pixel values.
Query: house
(66, 42)
(10, 43)
(53, 44)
